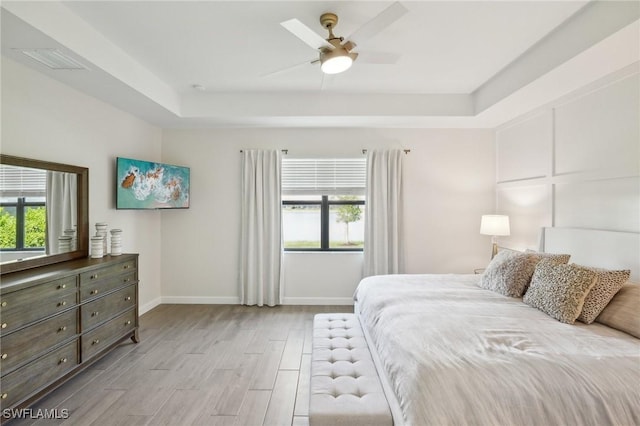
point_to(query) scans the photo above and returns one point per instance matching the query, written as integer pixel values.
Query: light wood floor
(199, 365)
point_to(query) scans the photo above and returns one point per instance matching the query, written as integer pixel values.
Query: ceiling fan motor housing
(329, 20)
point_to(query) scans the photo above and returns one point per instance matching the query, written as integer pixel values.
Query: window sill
(325, 252)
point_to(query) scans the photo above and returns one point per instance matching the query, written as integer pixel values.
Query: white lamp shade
(495, 225)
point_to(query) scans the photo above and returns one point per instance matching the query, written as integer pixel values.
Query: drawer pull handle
(62, 360)
(127, 280)
(4, 395)
(126, 266)
(63, 328)
(127, 298)
(61, 286)
(4, 356)
(94, 292)
(94, 314)
(127, 322)
(4, 304)
(94, 276)
(95, 342)
(4, 325)
(63, 303)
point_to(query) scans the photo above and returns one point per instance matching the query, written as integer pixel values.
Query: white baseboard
(149, 306)
(318, 301)
(194, 300)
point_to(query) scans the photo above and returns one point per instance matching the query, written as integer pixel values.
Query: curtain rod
(284, 151)
(406, 151)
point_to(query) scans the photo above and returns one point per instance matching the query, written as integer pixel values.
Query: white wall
(46, 120)
(449, 184)
(574, 163)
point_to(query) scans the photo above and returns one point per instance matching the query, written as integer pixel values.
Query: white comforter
(456, 354)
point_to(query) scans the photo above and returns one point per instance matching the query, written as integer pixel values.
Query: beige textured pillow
(558, 258)
(559, 290)
(623, 312)
(508, 273)
(608, 283)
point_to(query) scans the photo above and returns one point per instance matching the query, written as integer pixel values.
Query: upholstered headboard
(598, 248)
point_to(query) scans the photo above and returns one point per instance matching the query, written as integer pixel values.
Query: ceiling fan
(336, 53)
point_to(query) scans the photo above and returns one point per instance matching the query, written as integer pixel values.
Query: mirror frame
(83, 214)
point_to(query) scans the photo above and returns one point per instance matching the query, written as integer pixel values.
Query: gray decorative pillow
(559, 290)
(622, 312)
(508, 273)
(608, 283)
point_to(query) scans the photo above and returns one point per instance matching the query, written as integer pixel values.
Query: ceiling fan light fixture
(336, 64)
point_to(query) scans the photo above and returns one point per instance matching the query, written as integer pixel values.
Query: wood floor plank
(221, 421)
(258, 345)
(230, 401)
(183, 408)
(85, 409)
(121, 420)
(142, 400)
(308, 336)
(214, 388)
(281, 405)
(292, 350)
(254, 408)
(300, 421)
(234, 349)
(302, 395)
(267, 368)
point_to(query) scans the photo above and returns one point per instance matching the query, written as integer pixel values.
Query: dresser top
(30, 277)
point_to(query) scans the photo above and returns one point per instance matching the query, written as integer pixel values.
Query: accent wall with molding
(573, 163)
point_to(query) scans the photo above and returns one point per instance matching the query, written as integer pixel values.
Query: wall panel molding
(585, 151)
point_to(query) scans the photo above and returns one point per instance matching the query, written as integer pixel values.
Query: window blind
(20, 181)
(324, 176)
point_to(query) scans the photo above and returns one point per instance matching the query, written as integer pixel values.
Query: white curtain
(383, 253)
(261, 235)
(62, 206)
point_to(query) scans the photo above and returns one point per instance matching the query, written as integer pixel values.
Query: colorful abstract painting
(150, 185)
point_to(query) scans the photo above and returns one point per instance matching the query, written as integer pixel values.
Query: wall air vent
(53, 58)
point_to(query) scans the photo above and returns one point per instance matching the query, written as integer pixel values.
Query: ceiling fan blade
(306, 34)
(379, 23)
(290, 67)
(378, 57)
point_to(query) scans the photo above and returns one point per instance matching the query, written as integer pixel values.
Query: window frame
(325, 205)
(21, 205)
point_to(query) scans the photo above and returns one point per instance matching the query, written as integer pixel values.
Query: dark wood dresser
(56, 320)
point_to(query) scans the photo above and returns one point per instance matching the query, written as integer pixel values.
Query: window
(323, 204)
(22, 209)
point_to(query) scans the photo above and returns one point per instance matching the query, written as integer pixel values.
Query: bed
(449, 352)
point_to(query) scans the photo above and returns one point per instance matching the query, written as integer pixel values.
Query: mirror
(44, 213)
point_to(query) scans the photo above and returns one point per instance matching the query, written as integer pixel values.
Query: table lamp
(495, 225)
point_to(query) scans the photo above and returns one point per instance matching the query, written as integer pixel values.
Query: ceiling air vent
(53, 58)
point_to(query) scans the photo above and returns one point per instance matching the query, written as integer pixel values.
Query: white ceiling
(458, 61)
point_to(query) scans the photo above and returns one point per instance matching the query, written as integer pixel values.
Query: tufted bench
(345, 387)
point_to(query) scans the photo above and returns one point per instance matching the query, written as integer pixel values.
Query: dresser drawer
(100, 310)
(18, 308)
(107, 272)
(26, 380)
(19, 347)
(91, 290)
(98, 339)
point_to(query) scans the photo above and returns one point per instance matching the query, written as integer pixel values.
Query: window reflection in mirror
(43, 213)
(29, 225)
